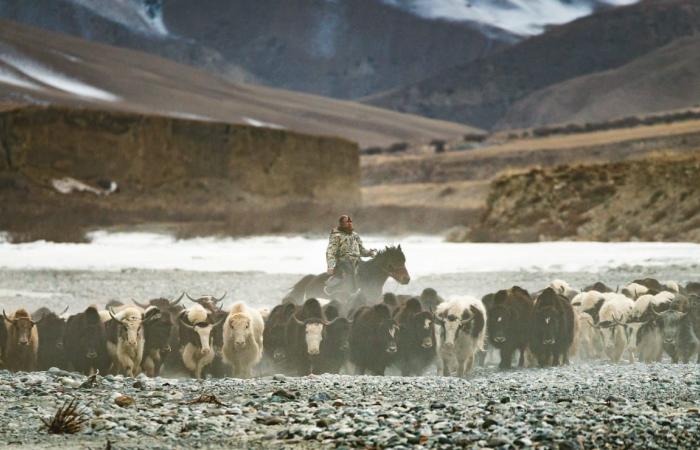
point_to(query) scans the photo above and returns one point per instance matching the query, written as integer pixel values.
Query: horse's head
(393, 261)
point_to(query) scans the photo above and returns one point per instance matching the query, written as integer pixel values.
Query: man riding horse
(342, 256)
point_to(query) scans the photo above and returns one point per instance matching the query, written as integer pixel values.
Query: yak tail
(298, 291)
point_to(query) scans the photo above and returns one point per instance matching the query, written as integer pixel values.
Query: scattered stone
(124, 401)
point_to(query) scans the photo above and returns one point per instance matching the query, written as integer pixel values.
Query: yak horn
(190, 297)
(220, 299)
(111, 314)
(182, 322)
(653, 310)
(140, 305)
(7, 318)
(298, 322)
(175, 302)
(617, 321)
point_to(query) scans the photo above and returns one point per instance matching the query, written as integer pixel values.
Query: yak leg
(460, 367)
(446, 367)
(469, 364)
(521, 361)
(481, 358)
(507, 358)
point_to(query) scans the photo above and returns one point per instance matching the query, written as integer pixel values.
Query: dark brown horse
(371, 276)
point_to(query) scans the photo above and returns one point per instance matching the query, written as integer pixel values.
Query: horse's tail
(299, 289)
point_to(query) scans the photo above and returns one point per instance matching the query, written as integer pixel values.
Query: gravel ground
(579, 406)
(583, 406)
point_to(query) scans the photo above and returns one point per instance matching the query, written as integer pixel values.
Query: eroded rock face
(143, 152)
(165, 168)
(652, 199)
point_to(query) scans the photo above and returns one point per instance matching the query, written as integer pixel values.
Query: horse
(371, 276)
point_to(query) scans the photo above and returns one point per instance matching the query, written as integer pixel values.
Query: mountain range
(491, 64)
(482, 93)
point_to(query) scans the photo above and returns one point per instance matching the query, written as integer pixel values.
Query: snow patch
(56, 80)
(12, 79)
(278, 254)
(189, 116)
(141, 16)
(524, 17)
(260, 123)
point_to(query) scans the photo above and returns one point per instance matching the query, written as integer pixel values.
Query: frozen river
(260, 270)
(426, 255)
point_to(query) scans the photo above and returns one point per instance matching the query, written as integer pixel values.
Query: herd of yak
(644, 320)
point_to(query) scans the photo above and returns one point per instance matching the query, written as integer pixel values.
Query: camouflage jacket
(344, 245)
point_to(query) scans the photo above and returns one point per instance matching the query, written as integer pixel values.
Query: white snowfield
(525, 17)
(277, 254)
(8, 77)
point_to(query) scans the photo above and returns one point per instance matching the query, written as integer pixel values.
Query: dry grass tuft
(69, 419)
(206, 398)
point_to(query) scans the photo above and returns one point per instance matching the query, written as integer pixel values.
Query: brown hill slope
(38, 66)
(481, 93)
(665, 79)
(653, 199)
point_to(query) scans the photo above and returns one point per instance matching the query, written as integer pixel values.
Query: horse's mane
(390, 252)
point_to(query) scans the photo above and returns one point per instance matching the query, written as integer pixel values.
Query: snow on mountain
(36, 72)
(524, 17)
(142, 16)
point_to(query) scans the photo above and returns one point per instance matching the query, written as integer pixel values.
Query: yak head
(452, 325)
(315, 330)
(240, 325)
(21, 328)
(549, 325)
(338, 335)
(670, 323)
(130, 322)
(199, 321)
(421, 326)
(158, 328)
(613, 334)
(498, 322)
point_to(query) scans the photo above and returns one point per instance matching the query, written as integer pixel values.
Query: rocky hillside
(483, 92)
(65, 170)
(665, 79)
(653, 199)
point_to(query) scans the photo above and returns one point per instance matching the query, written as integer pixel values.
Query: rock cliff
(655, 199)
(165, 169)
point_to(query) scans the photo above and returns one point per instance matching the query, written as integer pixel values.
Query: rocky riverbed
(595, 405)
(580, 406)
